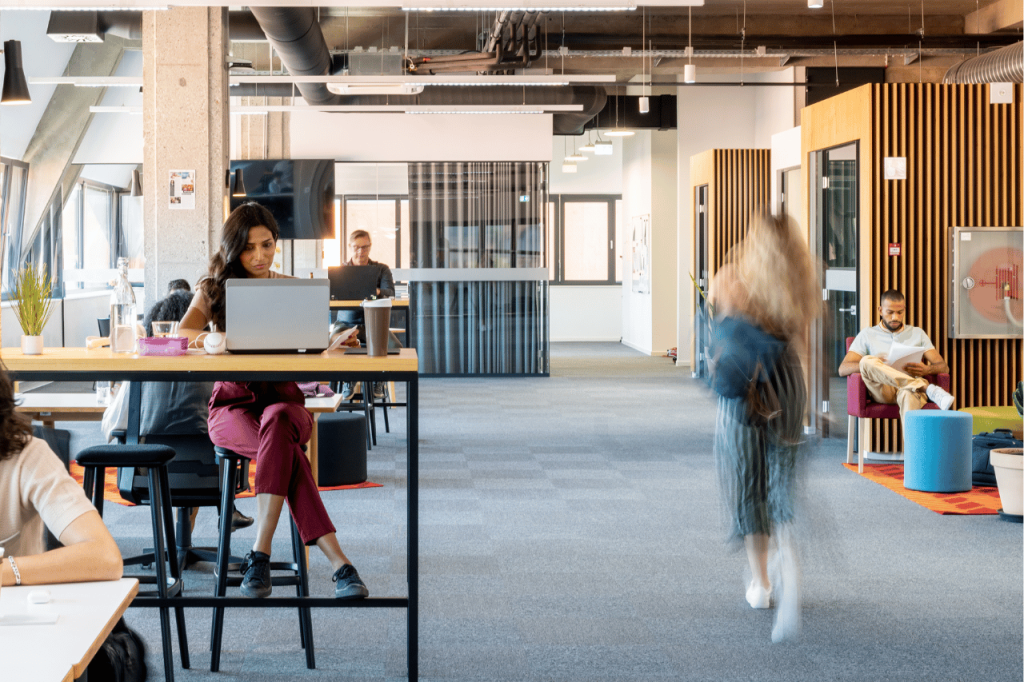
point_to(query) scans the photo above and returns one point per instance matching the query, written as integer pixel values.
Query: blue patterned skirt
(757, 457)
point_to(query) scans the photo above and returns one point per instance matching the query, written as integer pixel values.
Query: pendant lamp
(15, 86)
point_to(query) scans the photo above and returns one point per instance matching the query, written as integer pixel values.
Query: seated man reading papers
(893, 357)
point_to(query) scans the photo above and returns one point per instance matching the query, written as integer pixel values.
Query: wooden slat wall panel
(964, 168)
(741, 187)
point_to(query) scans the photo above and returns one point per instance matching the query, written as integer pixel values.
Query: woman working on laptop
(265, 421)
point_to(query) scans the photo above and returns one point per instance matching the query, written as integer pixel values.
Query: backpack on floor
(983, 473)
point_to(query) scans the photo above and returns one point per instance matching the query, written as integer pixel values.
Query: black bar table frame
(20, 368)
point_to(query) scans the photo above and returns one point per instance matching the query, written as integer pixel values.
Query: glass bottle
(122, 312)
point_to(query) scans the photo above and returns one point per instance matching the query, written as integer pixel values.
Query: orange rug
(112, 494)
(978, 500)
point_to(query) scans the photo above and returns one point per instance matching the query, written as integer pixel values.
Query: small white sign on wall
(895, 168)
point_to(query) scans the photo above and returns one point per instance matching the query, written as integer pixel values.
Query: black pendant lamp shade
(15, 86)
(237, 185)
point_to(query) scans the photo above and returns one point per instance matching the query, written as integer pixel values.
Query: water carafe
(122, 312)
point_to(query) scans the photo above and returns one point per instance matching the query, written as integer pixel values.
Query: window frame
(560, 200)
(115, 229)
(7, 240)
(397, 198)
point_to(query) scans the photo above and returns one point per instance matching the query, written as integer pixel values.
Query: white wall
(637, 309)
(785, 155)
(407, 137)
(116, 138)
(775, 107)
(708, 118)
(40, 57)
(586, 313)
(596, 175)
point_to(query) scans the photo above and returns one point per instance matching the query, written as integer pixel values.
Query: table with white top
(54, 652)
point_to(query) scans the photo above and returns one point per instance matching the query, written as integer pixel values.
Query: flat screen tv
(298, 192)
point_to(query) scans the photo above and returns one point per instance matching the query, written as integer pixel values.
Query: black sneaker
(378, 390)
(256, 569)
(348, 584)
(239, 520)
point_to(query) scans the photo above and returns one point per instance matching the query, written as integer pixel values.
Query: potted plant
(30, 299)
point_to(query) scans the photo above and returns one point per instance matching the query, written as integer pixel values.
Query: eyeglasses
(360, 248)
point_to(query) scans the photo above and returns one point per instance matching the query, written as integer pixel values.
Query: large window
(96, 230)
(581, 239)
(387, 221)
(13, 185)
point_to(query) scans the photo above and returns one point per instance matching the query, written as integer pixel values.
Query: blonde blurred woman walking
(770, 282)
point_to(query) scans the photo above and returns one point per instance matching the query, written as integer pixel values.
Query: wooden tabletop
(86, 613)
(395, 303)
(70, 360)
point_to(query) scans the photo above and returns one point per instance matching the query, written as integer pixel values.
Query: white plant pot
(1009, 466)
(31, 345)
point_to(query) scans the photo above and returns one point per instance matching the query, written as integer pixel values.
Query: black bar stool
(154, 459)
(297, 573)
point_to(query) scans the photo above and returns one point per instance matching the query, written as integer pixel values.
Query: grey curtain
(479, 215)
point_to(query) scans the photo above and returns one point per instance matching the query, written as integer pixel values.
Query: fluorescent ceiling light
(588, 147)
(576, 157)
(603, 148)
(815, 4)
(89, 81)
(618, 132)
(115, 110)
(569, 167)
(479, 8)
(375, 89)
(415, 108)
(517, 81)
(106, 8)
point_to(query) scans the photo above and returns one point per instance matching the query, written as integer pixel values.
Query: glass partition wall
(469, 239)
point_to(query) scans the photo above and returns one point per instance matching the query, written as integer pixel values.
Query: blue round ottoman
(937, 451)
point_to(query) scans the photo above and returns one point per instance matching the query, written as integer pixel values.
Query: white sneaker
(787, 607)
(940, 397)
(758, 597)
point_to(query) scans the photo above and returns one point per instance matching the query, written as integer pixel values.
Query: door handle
(851, 309)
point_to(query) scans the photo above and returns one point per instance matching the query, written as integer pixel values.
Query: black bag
(983, 473)
(121, 657)
(743, 355)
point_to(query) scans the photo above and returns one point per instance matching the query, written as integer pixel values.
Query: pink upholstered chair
(859, 405)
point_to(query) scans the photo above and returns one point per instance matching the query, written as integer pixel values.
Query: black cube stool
(341, 448)
(154, 458)
(296, 571)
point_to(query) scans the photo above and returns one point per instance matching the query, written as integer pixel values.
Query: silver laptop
(277, 315)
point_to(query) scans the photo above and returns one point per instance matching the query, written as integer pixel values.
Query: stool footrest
(113, 455)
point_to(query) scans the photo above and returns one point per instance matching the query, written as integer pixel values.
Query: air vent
(74, 27)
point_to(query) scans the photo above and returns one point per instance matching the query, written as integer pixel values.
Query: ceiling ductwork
(1005, 65)
(299, 41)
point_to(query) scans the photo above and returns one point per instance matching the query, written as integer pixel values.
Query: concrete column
(185, 109)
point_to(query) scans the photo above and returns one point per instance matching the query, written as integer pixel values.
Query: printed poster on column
(183, 189)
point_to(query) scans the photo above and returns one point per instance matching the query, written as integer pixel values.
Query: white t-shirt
(878, 340)
(36, 489)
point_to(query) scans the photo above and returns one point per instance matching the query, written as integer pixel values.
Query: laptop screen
(279, 315)
(352, 282)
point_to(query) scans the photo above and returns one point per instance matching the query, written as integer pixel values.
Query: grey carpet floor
(570, 530)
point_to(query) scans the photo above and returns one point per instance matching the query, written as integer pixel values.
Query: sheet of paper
(900, 354)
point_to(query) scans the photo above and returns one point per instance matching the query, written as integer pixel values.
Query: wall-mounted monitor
(986, 282)
(298, 192)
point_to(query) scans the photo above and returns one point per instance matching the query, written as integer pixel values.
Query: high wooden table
(79, 364)
(86, 613)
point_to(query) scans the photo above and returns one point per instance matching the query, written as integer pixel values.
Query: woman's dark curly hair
(170, 308)
(225, 264)
(15, 428)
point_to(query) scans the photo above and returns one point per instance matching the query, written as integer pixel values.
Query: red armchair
(859, 405)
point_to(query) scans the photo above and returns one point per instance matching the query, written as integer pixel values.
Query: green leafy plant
(31, 300)
(711, 308)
